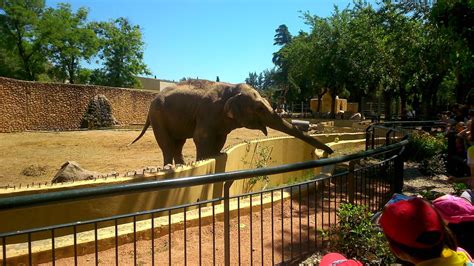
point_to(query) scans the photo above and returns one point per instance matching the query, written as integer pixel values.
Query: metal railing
(277, 225)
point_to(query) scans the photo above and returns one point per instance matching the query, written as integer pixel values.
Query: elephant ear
(231, 106)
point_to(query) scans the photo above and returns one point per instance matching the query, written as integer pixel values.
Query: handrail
(390, 169)
(75, 194)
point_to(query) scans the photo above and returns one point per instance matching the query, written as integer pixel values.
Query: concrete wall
(28, 105)
(353, 107)
(155, 84)
(341, 104)
(242, 156)
(284, 150)
(150, 83)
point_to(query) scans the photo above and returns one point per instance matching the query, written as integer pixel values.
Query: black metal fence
(277, 225)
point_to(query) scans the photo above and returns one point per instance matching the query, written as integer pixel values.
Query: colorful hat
(333, 259)
(454, 209)
(413, 223)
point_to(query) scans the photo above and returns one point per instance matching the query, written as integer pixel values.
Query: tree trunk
(388, 105)
(403, 104)
(320, 99)
(333, 104)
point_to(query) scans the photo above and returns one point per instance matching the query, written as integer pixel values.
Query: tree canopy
(69, 40)
(21, 38)
(413, 53)
(39, 43)
(122, 52)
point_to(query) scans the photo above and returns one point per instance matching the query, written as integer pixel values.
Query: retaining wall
(283, 150)
(26, 105)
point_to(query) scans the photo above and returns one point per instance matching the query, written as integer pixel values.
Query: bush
(459, 188)
(433, 166)
(357, 237)
(425, 146)
(430, 194)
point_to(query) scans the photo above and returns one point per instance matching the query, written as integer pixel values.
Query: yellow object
(448, 258)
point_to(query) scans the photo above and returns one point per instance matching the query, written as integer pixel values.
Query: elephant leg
(166, 143)
(178, 151)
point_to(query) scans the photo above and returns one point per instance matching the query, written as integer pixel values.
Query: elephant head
(249, 109)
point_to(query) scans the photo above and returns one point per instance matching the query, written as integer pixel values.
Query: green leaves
(69, 40)
(35, 41)
(19, 32)
(425, 146)
(395, 49)
(357, 237)
(122, 52)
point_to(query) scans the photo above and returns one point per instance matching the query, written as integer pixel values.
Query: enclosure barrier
(276, 225)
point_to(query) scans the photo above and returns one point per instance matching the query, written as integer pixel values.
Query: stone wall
(26, 105)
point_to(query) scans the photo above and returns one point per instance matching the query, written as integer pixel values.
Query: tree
(19, 32)
(330, 54)
(122, 52)
(455, 18)
(69, 40)
(282, 35)
(281, 38)
(264, 83)
(10, 62)
(295, 60)
(395, 51)
(253, 80)
(415, 58)
(366, 45)
(280, 77)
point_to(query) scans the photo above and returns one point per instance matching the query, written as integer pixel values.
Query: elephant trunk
(282, 125)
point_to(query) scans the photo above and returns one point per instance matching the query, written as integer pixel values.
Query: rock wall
(26, 105)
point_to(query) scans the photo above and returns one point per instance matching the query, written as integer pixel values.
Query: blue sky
(207, 38)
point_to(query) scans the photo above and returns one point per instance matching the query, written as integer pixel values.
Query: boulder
(72, 171)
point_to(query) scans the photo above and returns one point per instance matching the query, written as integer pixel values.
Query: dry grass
(41, 154)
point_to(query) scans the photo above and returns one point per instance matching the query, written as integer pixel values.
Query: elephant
(206, 112)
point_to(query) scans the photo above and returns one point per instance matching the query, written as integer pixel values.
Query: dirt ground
(28, 157)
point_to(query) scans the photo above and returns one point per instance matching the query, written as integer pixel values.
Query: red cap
(413, 223)
(333, 259)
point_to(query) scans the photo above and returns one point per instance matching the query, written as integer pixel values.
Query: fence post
(373, 137)
(351, 182)
(368, 137)
(227, 186)
(398, 176)
(387, 137)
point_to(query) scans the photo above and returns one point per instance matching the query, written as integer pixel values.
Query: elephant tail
(145, 127)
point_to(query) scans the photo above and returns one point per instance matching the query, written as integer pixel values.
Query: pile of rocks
(99, 113)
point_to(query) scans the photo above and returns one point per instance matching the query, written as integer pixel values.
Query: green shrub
(425, 146)
(434, 165)
(430, 194)
(261, 158)
(459, 188)
(357, 237)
